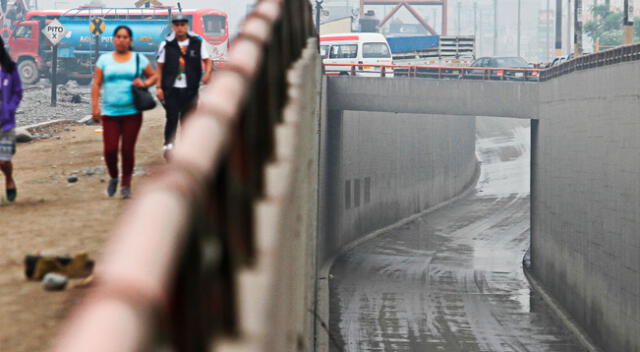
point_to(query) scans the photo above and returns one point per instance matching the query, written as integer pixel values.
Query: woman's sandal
(12, 193)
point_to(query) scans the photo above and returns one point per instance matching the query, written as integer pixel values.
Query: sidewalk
(54, 216)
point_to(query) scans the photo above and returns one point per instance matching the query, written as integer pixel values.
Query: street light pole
(495, 27)
(548, 44)
(475, 25)
(519, 25)
(558, 28)
(568, 34)
(458, 21)
(318, 10)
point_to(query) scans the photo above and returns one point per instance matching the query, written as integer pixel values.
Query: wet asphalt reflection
(452, 280)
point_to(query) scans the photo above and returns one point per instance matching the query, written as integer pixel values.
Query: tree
(606, 26)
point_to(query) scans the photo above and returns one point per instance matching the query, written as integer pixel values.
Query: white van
(367, 49)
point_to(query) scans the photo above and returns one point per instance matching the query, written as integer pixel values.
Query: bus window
(375, 50)
(324, 51)
(214, 25)
(344, 51)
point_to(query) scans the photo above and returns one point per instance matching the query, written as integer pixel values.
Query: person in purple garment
(10, 97)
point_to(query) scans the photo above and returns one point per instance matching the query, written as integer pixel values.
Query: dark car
(502, 66)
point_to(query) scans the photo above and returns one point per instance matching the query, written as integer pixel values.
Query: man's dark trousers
(178, 103)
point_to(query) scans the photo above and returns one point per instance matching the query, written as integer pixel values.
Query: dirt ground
(54, 216)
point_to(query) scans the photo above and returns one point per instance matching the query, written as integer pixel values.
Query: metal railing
(603, 58)
(437, 72)
(167, 279)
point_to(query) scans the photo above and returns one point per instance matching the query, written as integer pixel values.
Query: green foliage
(607, 26)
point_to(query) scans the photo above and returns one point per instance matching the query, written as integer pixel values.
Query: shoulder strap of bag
(137, 65)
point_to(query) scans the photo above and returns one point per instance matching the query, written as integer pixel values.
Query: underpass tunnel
(448, 276)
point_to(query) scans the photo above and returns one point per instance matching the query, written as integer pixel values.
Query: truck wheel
(28, 71)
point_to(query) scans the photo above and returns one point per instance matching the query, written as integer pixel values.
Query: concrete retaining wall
(432, 96)
(379, 168)
(586, 200)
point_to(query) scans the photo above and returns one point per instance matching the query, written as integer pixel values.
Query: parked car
(560, 60)
(501, 69)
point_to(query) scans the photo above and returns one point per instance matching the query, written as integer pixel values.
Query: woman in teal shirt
(121, 121)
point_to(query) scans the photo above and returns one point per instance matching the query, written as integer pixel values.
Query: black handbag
(142, 99)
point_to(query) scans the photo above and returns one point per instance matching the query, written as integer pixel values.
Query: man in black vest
(181, 59)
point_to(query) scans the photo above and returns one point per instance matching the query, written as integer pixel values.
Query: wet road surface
(452, 280)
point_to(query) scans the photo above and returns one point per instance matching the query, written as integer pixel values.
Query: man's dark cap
(180, 18)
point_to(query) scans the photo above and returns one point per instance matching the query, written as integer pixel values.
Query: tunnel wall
(379, 168)
(586, 200)
(435, 96)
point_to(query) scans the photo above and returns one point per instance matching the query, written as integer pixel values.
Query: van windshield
(375, 50)
(344, 51)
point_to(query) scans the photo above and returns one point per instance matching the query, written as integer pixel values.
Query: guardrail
(602, 58)
(167, 280)
(437, 72)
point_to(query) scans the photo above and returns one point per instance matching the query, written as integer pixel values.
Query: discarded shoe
(37, 266)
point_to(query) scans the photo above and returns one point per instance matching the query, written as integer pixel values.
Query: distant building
(335, 10)
(341, 25)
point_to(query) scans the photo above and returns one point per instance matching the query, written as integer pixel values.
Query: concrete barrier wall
(434, 96)
(276, 295)
(379, 168)
(586, 200)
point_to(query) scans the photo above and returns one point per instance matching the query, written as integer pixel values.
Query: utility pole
(558, 28)
(495, 27)
(628, 22)
(577, 35)
(519, 25)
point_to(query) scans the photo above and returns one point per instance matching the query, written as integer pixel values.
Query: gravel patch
(74, 103)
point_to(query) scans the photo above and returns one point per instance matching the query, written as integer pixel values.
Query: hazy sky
(236, 9)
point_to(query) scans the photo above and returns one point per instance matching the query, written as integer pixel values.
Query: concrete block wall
(379, 168)
(586, 200)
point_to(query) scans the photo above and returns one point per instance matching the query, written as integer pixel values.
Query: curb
(560, 312)
(24, 133)
(35, 127)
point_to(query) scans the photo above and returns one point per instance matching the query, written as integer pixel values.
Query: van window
(324, 51)
(344, 51)
(375, 50)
